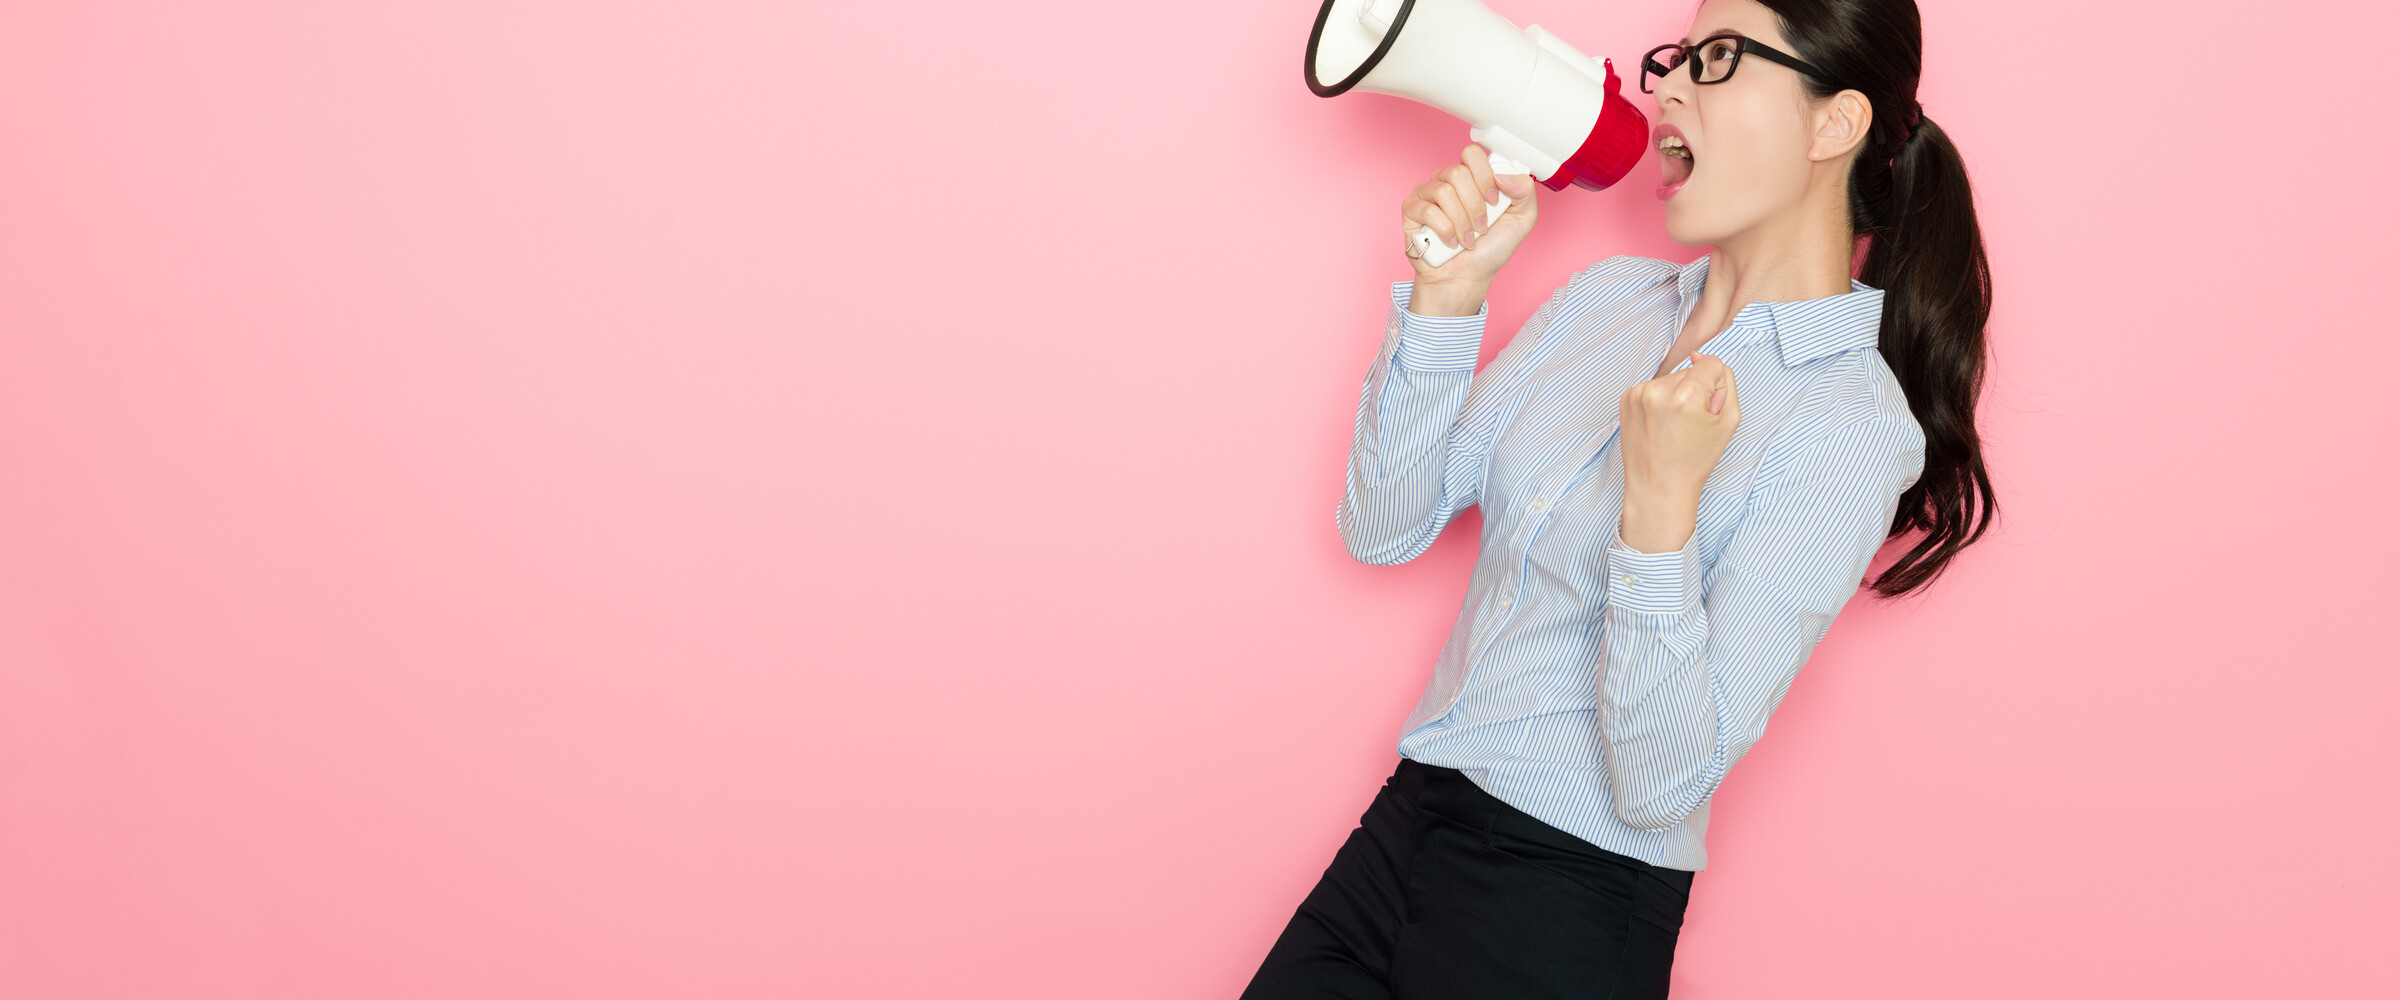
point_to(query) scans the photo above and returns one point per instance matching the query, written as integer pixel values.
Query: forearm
(1662, 709)
(1404, 481)
(1399, 493)
(1694, 667)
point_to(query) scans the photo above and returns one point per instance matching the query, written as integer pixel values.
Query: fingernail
(1491, 196)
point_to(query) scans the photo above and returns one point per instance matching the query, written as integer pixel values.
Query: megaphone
(1536, 104)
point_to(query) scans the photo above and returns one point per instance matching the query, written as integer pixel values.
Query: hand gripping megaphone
(1536, 104)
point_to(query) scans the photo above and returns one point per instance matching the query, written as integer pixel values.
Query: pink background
(524, 498)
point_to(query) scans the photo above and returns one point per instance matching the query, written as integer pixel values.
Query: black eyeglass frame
(1743, 43)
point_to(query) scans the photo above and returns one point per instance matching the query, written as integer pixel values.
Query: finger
(1520, 191)
(1470, 195)
(1665, 394)
(1687, 394)
(1470, 198)
(1423, 214)
(1481, 166)
(1454, 211)
(1692, 388)
(1706, 368)
(1713, 369)
(1713, 372)
(1425, 210)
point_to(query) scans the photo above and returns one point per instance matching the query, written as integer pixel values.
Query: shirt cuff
(1653, 582)
(1436, 343)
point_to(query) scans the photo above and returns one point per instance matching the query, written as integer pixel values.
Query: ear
(1841, 125)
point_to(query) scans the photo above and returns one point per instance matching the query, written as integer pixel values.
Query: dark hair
(1914, 214)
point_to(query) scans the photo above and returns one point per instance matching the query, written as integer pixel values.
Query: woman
(1654, 568)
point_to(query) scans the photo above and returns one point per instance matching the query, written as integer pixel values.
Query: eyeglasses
(1719, 54)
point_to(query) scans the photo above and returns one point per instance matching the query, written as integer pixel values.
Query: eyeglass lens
(1717, 58)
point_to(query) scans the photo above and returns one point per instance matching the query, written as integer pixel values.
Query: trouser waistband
(1447, 792)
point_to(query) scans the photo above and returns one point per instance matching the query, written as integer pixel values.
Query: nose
(1674, 86)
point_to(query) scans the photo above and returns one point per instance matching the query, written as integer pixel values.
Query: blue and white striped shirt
(1603, 690)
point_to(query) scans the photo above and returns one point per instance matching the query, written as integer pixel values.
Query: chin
(1694, 225)
(1683, 230)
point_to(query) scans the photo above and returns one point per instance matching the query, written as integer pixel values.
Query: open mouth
(1675, 164)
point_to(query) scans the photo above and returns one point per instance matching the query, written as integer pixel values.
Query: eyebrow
(1718, 32)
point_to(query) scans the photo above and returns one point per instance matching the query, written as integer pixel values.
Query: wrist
(1447, 298)
(1656, 520)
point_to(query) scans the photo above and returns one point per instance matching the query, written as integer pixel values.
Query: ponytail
(1914, 214)
(1925, 251)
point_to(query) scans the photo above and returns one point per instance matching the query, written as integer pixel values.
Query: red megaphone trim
(1618, 138)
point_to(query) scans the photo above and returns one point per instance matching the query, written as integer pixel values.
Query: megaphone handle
(1429, 243)
(1438, 253)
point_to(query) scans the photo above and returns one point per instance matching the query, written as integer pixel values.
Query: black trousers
(1444, 892)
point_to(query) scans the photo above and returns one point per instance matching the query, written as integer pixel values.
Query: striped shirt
(1603, 690)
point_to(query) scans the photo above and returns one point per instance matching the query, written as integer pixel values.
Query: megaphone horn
(1538, 105)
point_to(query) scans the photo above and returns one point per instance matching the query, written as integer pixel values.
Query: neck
(1805, 254)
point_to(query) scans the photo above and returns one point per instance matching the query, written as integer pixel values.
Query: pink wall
(523, 498)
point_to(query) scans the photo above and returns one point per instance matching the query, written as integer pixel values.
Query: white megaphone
(1536, 104)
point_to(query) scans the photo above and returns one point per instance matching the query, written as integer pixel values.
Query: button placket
(1528, 528)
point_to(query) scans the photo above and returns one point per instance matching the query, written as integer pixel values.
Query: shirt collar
(1807, 329)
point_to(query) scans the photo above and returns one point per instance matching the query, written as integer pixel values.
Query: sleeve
(1692, 676)
(1425, 425)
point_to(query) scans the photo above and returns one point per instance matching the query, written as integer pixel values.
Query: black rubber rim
(1309, 68)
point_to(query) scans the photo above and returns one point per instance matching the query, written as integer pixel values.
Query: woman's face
(1748, 136)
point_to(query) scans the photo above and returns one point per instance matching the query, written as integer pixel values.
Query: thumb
(1518, 187)
(1721, 387)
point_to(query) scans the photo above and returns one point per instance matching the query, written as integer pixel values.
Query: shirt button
(1626, 579)
(1504, 602)
(1540, 504)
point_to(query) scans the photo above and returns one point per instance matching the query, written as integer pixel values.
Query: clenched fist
(1672, 430)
